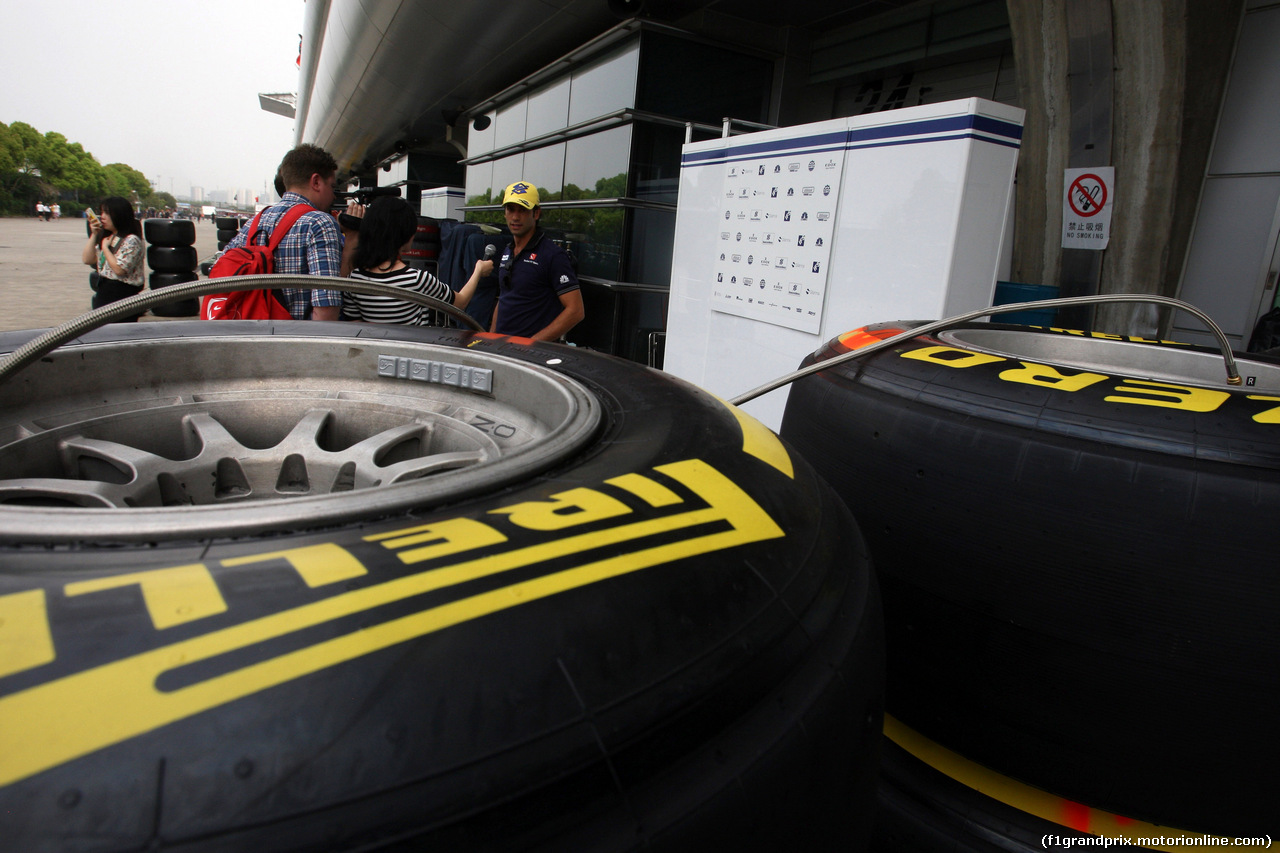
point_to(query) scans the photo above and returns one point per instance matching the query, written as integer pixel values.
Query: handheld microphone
(489, 251)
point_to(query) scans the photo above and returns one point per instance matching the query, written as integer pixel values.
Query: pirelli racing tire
(169, 232)
(1075, 539)
(600, 610)
(180, 308)
(172, 258)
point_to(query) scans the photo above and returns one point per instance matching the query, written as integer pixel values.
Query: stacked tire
(228, 227)
(171, 254)
(424, 249)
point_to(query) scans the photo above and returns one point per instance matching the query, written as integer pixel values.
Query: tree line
(47, 167)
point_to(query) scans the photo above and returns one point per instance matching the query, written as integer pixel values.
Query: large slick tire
(1075, 540)
(598, 609)
(171, 258)
(169, 232)
(180, 308)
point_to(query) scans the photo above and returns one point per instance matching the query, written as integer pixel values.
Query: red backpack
(251, 259)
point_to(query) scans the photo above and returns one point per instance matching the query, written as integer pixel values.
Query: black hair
(387, 225)
(121, 213)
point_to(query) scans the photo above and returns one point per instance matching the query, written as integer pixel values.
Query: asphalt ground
(42, 281)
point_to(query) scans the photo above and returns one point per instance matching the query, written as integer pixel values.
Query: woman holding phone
(116, 251)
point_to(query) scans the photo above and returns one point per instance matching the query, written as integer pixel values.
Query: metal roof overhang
(379, 76)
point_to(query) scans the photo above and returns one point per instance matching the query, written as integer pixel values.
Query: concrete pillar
(1170, 65)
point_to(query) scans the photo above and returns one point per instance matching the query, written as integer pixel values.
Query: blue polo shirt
(530, 284)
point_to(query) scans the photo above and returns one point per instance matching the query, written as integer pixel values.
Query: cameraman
(314, 245)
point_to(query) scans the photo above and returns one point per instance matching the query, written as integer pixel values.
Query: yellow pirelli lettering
(565, 509)
(317, 565)
(1049, 377)
(761, 442)
(654, 494)
(439, 539)
(1164, 395)
(951, 357)
(61, 720)
(172, 596)
(1267, 416)
(25, 641)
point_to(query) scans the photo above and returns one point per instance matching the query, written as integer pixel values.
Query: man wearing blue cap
(538, 295)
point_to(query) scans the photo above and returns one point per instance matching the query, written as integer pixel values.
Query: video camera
(365, 195)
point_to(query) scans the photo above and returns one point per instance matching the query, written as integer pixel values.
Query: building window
(602, 142)
(548, 110)
(605, 86)
(728, 83)
(596, 165)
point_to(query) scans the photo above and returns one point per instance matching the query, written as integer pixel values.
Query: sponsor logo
(336, 610)
(1137, 392)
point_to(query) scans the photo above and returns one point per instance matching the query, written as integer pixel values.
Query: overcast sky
(169, 87)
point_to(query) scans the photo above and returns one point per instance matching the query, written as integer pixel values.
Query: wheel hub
(228, 435)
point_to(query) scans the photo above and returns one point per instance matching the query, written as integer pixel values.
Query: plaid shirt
(313, 246)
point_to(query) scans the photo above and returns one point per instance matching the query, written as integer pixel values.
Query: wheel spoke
(307, 431)
(51, 490)
(129, 462)
(369, 453)
(413, 469)
(209, 437)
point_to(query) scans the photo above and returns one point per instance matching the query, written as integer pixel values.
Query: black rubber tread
(166, 279)
(919, 809)
(730, 696)
(1079, 594)
(180, 308)
(172, 258)
(425, 245)
(169, 232)
(227, 222)
(226, 235)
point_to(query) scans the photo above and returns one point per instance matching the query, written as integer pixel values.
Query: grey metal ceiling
(386, 70)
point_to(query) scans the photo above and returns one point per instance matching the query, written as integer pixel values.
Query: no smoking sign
(1086, 207)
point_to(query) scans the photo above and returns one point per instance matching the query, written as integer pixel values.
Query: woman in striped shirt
(386, 230)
